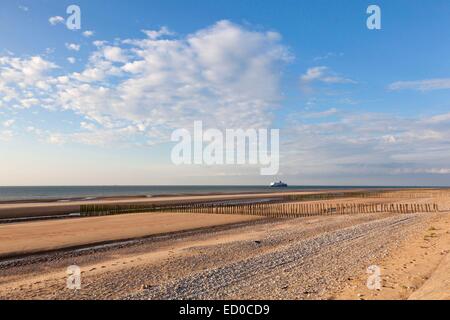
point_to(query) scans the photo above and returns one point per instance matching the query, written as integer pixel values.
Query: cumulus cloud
(73, 46)
(421, 85)
(26, 71)
(155, 34)
(141, 89)
(56, 139)
(328, 55)
(440, 118)
(225, 75)
(87, 126)
(8, 123)
(320, 114)
(25, 82)
(99, 43)
(114, 54)
(323, 74)
(34, 130)
(56, 20)
(71, 60)
(88, 33)
(6, 135)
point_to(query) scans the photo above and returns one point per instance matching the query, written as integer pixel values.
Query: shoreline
(264, 189)
(63, 208)
(32, 209)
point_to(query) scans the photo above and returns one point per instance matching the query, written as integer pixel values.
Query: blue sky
(97, 105)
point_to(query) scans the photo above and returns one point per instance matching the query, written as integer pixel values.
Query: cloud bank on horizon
(130, 93)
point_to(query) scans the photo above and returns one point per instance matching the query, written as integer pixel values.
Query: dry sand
(418, 269)
(32, 237)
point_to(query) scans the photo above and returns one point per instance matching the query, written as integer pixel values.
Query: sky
(98, 105)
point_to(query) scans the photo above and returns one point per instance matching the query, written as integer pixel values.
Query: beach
(27, 209)
(232, 246)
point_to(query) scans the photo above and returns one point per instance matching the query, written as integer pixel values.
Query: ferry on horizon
(279, 184)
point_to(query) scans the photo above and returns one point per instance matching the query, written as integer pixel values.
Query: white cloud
(99, 43)
(87, 126)
(6, 135)
(71, 60)
(328, 55)
(225, 75)
(56, 20)
(389, 139)
(134, 67)
(155, 34)
(323, 74)
(55, 138)
(28, 70)
(88, 33)
(440, 171)
(421, 85)
(24, 8)
(313, 74)
(369, 144)
(439, 118)
(34, 130)
(73, 46)
(321, 114)
(114, 54)
(8, 123)
(22, 79)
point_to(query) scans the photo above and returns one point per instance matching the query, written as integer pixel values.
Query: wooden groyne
(282, 210)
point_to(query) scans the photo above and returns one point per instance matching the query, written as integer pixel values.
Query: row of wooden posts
(324, 196)
(410, 194)
(264, 209)
(299, 209)
(367, 195)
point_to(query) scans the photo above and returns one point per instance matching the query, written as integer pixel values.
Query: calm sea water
(84, 192)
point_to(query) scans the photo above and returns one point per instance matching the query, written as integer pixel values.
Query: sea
(92, 192)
